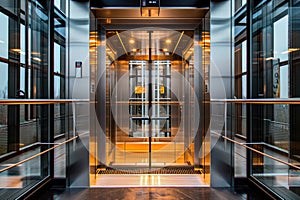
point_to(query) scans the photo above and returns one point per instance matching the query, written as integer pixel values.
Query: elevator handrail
(41, 101)
(39, 154)
(259, 152)
(293, 101)
(256, 101)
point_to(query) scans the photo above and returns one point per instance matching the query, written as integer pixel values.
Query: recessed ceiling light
(168, 41)
(131, 41)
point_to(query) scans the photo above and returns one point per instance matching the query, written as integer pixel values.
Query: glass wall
(4, 80)
(59, 71)
(32, 66)
(266, 66)
(272, 129)
(24, 57)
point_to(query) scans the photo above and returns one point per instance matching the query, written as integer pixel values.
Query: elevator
(149, 67)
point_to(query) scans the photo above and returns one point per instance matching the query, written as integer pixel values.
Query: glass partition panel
(4, 35)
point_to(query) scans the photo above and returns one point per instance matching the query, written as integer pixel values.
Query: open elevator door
(151, 102)
(130, 141)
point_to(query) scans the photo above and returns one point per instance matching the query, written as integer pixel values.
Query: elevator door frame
(149, 58)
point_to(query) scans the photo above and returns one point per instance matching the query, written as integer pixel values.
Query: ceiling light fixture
(131, 41)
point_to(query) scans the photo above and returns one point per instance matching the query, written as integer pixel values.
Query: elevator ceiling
(172, 18)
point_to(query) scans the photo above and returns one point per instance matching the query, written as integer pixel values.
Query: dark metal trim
(50, 85)
(249, 84)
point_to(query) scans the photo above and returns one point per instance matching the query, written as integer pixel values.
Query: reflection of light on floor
(155, 180)
(145, 180)
(149, 180)
(11, 182)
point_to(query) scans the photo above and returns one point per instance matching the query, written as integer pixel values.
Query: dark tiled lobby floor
(148, 193)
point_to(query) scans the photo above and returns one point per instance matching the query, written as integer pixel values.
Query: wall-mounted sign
(78, 69)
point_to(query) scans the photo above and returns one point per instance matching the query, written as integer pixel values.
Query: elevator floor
(130, 176)
(147, 180)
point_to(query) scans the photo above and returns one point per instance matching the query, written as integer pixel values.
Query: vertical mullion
(14, 81)
(51, 81)
(26, 58)
(249, 84)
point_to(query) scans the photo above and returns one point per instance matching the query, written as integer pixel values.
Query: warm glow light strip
(39, 154)
(121, 42)
(259, 152)
(177, 43)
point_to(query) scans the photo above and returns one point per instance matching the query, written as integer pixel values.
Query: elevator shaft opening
(150, 99)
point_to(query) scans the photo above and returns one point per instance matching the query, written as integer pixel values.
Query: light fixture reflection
(18, 51)
(108, 20)
(290, 50)
(271, 58)
(150, 180)
(36, 59)
(131, 41)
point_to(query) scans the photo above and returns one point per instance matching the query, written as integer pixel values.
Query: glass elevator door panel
(161, 97)
(139, 99)
(150, 111)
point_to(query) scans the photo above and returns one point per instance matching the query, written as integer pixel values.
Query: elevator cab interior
(151, 111)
